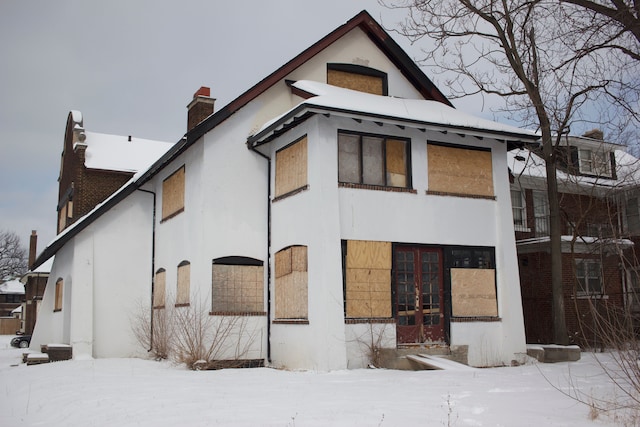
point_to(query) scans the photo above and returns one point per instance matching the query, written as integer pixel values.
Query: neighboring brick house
(95, 165)
(593, 176)
(11, 297)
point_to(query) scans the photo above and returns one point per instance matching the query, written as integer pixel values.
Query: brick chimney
(33, 243)
(200, 107)
(594, 134)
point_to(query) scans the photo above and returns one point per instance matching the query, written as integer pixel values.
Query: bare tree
(13, 257)
(530, 54)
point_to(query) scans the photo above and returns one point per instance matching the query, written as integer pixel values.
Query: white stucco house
(342, 197)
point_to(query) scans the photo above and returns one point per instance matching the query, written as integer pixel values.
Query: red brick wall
(535, 282)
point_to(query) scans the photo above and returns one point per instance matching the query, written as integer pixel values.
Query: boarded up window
(291, 167)
(184, 278)
(372, 160)
(291, 283)
(159, 286)
(237, 288)
(173, 194)
(368, 279)
(473, 292)
(58, 297)
(357, 77)
(458, 170)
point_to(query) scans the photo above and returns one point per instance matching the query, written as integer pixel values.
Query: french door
(418, 294)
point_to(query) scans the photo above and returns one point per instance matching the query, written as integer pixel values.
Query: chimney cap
(203, 91)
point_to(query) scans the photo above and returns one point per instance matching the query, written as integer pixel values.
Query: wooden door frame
(445, 304)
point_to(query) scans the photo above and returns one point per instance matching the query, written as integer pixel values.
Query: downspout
(252, 148)
(153, 266)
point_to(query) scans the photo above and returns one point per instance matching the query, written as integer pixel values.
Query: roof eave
(304, 110)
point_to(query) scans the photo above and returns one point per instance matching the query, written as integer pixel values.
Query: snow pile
(134, 392)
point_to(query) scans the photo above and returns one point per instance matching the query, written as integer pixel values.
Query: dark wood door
(418, 294)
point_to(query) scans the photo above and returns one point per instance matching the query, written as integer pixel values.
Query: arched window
(58, 301)
(159, 286)
(183, 283)
(237, 286)
(291, 283)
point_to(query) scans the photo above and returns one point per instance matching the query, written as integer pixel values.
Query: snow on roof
(17, 310)
(523, 162)
(418, 110)
(76, 116)
(117, 153)
(12, 287)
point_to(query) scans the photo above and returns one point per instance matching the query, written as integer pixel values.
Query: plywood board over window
(184, 279)
(459, 170)
(159, 286)
(238, 287)
(291, 168)
(173, 194)
(357, 77)
(368, 279)
(291, 283)
(58, 297)
(473, 292)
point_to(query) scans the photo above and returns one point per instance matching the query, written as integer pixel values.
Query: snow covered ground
(134, 392)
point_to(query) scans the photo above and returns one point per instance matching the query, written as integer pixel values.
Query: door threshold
(424, 345)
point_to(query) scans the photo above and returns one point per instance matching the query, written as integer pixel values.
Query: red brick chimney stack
(200, 107)
(33, 243)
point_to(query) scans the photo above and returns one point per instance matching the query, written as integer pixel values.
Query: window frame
(523, 226)
(167, 209)
(360, 70)
(183, 284)
(157, 289)
(631, 204)
(385, 138)
(585, 291)
(59, 293)
(237, 261)
(287, 280)
(594, 162)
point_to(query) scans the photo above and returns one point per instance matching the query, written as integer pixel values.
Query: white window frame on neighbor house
(519, 208)
(541, 212)
(588, 273)
(593, 162)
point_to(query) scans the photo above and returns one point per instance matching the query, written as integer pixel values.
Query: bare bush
(156, 337)
(203, 341)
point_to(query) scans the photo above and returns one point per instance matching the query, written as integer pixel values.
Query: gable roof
(423, 114)
(362, 20)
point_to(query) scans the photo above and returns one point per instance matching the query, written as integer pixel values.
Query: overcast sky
(131, 67)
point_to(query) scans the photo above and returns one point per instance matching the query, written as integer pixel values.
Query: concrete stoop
(406, 357)
(552, 353)
(49, 353)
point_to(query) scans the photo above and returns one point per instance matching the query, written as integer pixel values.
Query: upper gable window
(592, 162)
(373, 160)
(291, 168)
(358, 77)
(460, 171)
(173, 194)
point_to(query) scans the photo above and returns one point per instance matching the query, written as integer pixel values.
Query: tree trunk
(560, 335)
